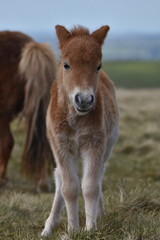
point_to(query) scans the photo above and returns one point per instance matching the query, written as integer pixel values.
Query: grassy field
(134, 74)
(131, 184)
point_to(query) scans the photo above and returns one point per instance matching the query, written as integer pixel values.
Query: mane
(80, 31)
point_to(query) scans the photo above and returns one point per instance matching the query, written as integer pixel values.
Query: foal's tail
(38, 68)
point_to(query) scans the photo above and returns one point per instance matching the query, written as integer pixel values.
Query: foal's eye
(99, 67)
(66, 66)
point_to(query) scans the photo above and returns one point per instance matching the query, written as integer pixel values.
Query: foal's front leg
(70, 191)
(53, 219)
(67, 187)
(91, 186)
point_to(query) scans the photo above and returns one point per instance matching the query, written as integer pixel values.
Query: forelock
(79, 31)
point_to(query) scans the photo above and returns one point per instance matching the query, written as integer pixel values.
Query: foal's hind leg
(102, 211)
(54, 216)
(110, 143)
(6, 145)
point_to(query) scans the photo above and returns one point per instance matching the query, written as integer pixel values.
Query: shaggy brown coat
(27, 70)
(82, 122)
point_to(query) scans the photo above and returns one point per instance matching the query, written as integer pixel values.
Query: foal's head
(81, 61)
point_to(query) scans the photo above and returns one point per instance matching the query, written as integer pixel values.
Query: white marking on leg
(91, 187)
(70, 190)
(53, 219)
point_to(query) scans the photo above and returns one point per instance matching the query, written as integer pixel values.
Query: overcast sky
(122, 15)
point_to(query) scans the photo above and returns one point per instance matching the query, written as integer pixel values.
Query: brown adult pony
(27, 70)
(82, 123)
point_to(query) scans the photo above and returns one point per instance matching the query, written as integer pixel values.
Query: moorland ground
(131, 183)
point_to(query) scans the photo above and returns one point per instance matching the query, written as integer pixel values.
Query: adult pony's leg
(6, 145)
(53, 219)
(43, 182)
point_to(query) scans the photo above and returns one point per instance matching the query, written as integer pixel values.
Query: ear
(63, 35)
(100, 34)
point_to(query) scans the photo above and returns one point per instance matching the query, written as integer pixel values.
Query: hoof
(46, 233)
(3, 182)
(44, 186)
(65, 237)
(103, 212)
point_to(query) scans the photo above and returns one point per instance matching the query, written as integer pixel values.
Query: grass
(131, 184)
(134, 74)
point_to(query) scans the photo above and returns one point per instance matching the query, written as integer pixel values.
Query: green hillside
(134, 74)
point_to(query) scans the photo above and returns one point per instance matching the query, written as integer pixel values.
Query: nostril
(77, 99)
(91, 100)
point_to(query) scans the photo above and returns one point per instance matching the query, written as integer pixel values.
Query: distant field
(134, 74)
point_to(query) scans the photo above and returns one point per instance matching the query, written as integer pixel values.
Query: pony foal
(82, 122)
